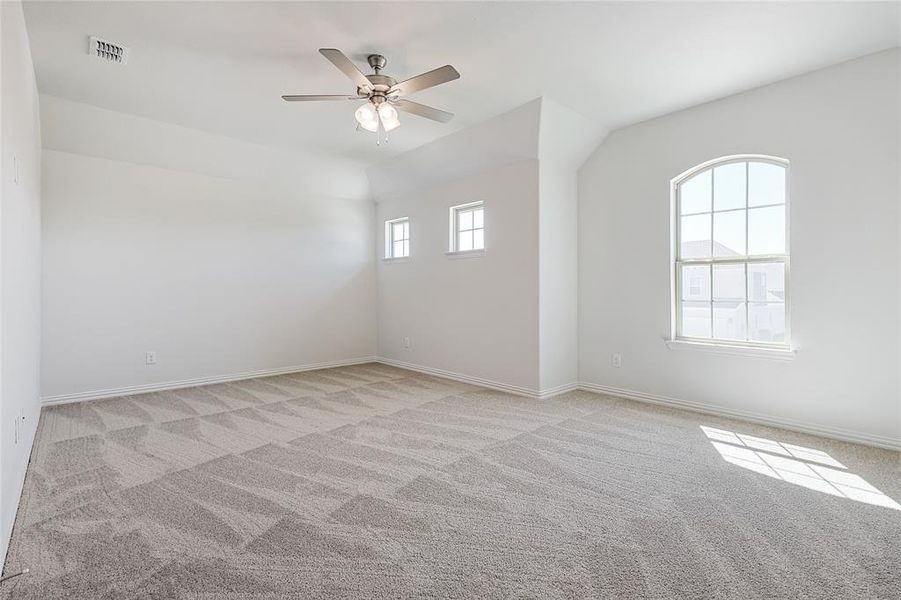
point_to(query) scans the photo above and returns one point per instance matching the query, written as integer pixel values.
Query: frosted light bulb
(367, 117)
(389, 116)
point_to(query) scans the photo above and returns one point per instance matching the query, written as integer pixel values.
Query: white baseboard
(700, 407)
(18, 484)
(843, 435)
(556, 391)
(174, 385)
(486, 383)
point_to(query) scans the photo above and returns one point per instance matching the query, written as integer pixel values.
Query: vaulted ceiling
(221, 66)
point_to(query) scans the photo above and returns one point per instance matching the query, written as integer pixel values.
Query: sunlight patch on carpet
(807, 467)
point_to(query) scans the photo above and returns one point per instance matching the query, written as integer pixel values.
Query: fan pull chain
(379, 130)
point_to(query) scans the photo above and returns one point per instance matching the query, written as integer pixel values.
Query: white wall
(20, 262)
(508, 318)
(566, 138)
(475, 316)
(507, 138)
(839, 128)
(558, 276)
(221, 256)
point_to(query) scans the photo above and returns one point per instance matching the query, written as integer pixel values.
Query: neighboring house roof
(701, 247)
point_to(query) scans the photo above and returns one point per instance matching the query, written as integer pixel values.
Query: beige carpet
(375, 482)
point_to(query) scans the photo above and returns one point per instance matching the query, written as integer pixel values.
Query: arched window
(730, 249)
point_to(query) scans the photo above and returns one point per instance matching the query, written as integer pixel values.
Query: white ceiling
(221, 66)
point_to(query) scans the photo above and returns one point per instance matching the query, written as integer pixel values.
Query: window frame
(453, 231)
(676, 262)
(389, 238)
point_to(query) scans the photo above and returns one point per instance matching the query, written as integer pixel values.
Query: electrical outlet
(20, 422)
(150, 357)
(407, 344)
(616, 360)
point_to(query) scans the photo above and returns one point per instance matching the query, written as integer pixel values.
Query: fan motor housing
(380, 83)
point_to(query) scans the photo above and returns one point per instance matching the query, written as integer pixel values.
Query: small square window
(397, 238)
(467, 227)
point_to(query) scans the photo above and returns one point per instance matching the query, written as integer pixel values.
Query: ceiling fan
(384, 95)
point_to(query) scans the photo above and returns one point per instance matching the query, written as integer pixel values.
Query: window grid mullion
(710, 268)
(747, 203)
(712, 200)
(727, 210)
(747, 247)
(710, 297)
(747, 307)
(766, 258)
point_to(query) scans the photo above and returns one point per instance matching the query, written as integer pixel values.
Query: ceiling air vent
(108, 51)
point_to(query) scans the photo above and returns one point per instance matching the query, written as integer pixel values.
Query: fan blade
(311, 98)
(426, 80)
(422, 110)
(337, 58)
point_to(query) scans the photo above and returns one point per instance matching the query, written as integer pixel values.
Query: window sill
(783, 354)
(465, 254)
(397, 259)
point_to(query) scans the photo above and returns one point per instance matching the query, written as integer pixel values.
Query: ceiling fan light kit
(388, 116)
(383, 95)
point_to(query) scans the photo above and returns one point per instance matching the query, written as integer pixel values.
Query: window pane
(465, 241)
(478, 218)
(464, 220)
(729, 282)
(406, 248)
(696, 282)
(729, 186)
(729, 233)
(766, 230)
(406, 230)
(695, 193)
(398, 231)
(478, 239)
(766, 322)
(766, 282)
(729, 320)
(696, 319)
(695, 236)
(398, 249)
(766, 184)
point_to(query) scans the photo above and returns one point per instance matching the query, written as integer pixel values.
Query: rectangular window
(731, 253)
(467, 227)
(397, 238)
